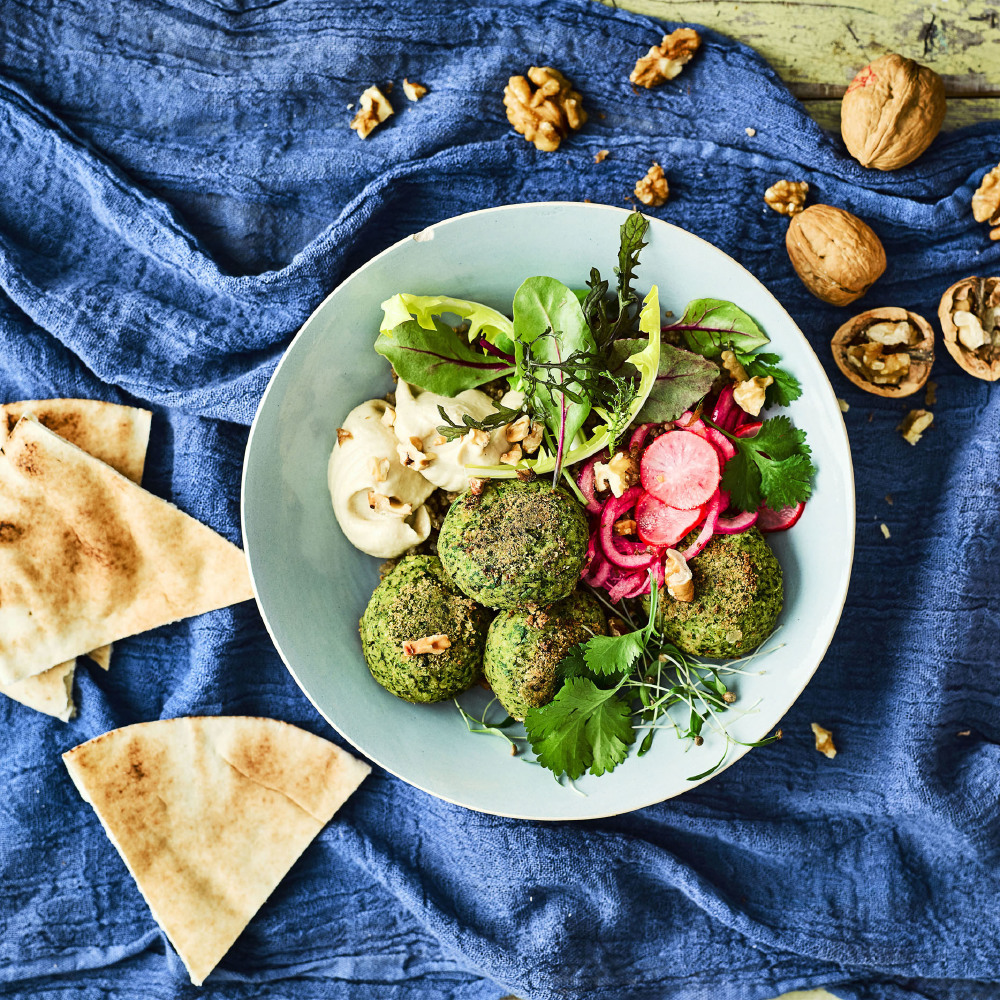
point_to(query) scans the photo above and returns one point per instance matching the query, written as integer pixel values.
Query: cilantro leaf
(582, 727)
(613, 654)
(785, 388)
(773, 467)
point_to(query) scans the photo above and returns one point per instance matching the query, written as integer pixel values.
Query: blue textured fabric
(178, 190)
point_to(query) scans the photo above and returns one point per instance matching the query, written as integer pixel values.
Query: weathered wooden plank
(817, 47)
(961, 111)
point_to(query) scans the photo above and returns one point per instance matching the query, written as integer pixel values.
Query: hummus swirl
(378, 501)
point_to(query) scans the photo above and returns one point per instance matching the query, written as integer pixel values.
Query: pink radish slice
(586, 482)
(681, 469)
(639, 435)
(707, 529)
(658, 524)
(749, 430)
(725, 412)
(737, 524)
(779, 520)
(723, 445)
(687, 421)
(621, 552)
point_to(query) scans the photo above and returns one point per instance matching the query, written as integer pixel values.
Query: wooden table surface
(818, 45)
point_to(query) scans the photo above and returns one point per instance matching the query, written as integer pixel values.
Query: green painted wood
(961, 111)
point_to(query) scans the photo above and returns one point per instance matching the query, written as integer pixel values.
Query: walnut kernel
(749, 395)
(914, 424)
(970, 318)
(677, 577)
(986, 202)
(653, 189)
(547, 114)
(787, 197)
(393, 506)
(413, 90)
(824, 740)
(618, 475)
(664, 61)
(375, 108)
(887, 352)
(434, 645)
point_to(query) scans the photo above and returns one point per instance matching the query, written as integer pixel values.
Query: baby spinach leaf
(437, 360)
(711, 326)
(582, 727)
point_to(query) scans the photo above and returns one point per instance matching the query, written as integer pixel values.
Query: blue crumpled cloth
(178, 189)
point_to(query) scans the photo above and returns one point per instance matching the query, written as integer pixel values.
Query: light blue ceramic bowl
(312, 585)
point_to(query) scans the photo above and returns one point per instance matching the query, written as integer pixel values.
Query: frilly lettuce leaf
(483, 321)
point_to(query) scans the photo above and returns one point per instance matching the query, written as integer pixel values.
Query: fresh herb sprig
(617, 686)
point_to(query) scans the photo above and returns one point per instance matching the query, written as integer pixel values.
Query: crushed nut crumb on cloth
(824, 740)
(664, 61)
(375, 109)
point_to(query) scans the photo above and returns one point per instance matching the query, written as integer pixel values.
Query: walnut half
(970, 318)
(887, 351)
(986, 202)
(653, 189)
(664, 61)
(787, 197)
(546, 114)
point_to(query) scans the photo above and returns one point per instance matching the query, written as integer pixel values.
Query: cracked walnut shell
(664, 61)
(986, 202)
(891, 112)
(653, 189)
(888, 352)
(546, 114)
(787, 197)
(835, 254)
(970, 319)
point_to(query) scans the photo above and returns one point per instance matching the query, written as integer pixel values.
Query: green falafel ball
(738, 595)
(524, 647)
(417, 600)
(514, 544)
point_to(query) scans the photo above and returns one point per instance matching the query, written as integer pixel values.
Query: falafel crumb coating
(417, 599)
(738, 595)
(525, 646)
(516, 543)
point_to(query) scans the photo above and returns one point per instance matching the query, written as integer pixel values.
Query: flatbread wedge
(117, 435)
(209, 814)
(88, 557)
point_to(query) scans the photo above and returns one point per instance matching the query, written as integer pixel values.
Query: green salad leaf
(583, 727)
(773, 467)
(711, 326)
(438, 360)
(785, 388)
(682, 380)
(484, 322)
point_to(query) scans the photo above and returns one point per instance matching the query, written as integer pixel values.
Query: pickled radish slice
(779, 520)
(681, 469)
(658, 524)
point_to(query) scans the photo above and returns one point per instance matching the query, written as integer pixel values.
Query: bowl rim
(425, 234)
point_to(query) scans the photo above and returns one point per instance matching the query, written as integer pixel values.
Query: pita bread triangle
(115, 434)
(88, 557)
(209, 814)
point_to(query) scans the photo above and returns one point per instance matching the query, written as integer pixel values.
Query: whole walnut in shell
(835, 254)
(891, 112)
(970, 319)
(887, 352)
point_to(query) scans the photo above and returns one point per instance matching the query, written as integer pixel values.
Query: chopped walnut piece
(750, 131)
(618, 475)
(343, 434)
(414, 91)
(884, 528)
(749, 395)
(476, 486)
(513, 456)
(412, 454)
(843, 404)
(534, 439)
(732, 365)
(986, 201)
(914, 424)
(653, 189)
(824, 741)
(787, 197)
(434, 645)
(677, 576)
(600, 156)
(518, 430)
(379, 469)
(375, 108)
(388, 505)
(477, 437)
(626, 526)
(527, 475)
(547, 114)
(664, 61)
